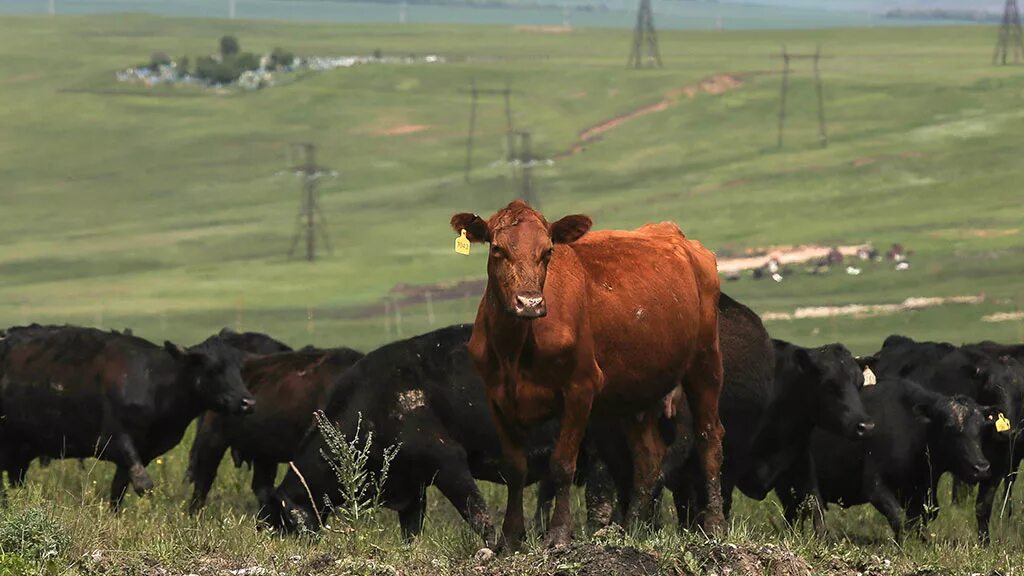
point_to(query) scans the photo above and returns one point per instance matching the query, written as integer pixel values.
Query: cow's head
(835, 378)
(956, 427)
(991, 380)
(214, 369)
(522, 245)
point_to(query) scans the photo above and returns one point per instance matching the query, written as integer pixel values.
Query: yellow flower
(160, 461)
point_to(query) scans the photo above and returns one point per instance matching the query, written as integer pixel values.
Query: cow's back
(651, 297)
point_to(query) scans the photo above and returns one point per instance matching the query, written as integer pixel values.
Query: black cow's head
(522, 244)
(213, 369)
(991, 380)
(835, 379)
(288, 516)
(956, 427)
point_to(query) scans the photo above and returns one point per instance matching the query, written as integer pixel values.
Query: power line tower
(818, 88)
(645, 39)
(1011, 38)
(510, 134)
(526, 162)
(310, 218)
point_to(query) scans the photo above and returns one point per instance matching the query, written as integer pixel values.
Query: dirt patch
(963, 233)
(576, 560)
(403, 129)
(770, 560)
(714, 85)
(870, 310)
(1003, 317)
(785, 255)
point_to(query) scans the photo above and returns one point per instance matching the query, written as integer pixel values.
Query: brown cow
(608, 323)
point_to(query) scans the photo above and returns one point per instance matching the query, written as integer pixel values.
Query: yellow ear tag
(1002, 423)
(462, 244)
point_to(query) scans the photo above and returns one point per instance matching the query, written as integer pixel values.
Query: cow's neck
(786, 418)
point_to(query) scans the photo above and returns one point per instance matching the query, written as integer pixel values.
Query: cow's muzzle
(530, 306)
(863, 428)
(247, 405)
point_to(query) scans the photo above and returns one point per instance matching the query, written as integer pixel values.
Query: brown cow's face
(522, 247)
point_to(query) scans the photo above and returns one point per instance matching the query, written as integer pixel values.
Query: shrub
(183, 65)
(360, 489)
(280, 58)
(228, 69)
(32, 533)
(14, 565)
(228, 46)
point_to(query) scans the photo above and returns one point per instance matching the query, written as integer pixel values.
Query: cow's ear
(174, 350)
(867, 361)
(804, 361)
(225, 331)
(570, 228)
(990, 413)
(475, 227)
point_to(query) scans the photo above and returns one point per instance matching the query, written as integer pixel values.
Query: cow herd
(605, 359)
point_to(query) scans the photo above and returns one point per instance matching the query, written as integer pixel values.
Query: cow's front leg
(578, 398)
(122, 452)
(513, 471)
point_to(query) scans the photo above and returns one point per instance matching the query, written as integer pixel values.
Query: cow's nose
(865, 427)
(530, 305)
(981, 469)
(248, 404)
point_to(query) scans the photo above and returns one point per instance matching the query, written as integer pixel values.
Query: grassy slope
(162, 210)
(165, 211)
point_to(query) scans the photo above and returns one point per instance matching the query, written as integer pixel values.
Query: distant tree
(183, 65)
(376, 54)
(158, 59)
(228, 69)
(228, 46)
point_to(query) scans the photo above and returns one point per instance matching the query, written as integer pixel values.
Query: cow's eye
(547, 254)
(497, 251)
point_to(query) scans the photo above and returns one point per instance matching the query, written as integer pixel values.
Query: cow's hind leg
(647, 449)
(703, 385)
(204, 459)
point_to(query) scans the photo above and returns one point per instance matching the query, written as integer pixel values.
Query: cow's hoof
(557, 537)
(141, 481)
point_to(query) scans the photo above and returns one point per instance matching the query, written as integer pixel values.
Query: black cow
(918, 436)
(980, 373)
(424, 395)
(252, 342)
(69, 392)
(289, 387)
(774, 394)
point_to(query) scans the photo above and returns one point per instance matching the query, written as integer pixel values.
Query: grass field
(164, 210)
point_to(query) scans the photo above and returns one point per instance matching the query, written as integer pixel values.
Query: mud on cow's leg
(600, 495)
(577, 399)
(123, 453)
(545, 496)
(703, 386)
(647, 450)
